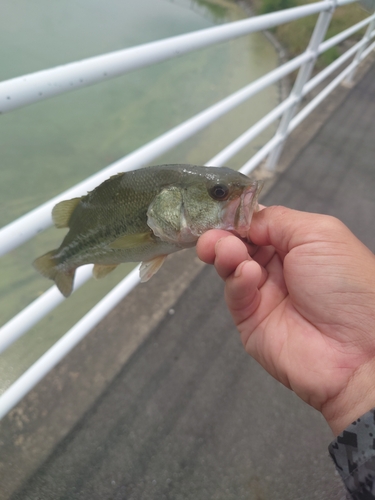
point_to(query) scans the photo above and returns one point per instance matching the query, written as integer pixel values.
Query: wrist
(355, 400)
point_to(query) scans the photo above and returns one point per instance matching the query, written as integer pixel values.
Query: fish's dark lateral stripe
(83, 244)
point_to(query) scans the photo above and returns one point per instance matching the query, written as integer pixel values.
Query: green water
(48, 147)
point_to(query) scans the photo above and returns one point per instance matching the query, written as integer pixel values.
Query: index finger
(206, 244)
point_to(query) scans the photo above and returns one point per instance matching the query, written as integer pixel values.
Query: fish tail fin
(46, 266)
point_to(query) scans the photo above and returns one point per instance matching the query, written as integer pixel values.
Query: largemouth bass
(144, 215)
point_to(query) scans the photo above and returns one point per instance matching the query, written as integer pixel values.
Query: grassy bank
(296, 35)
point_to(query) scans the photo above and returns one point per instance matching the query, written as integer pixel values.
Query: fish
(145, 215)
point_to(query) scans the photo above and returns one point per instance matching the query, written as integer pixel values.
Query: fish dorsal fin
(62, 212)
(150, 267)
(117, 176)
(100, 270)
(131, 241)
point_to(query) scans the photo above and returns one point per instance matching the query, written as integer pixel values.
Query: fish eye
(219, 192)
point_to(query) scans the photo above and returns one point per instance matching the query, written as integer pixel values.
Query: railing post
(348, 82)
(303, 76)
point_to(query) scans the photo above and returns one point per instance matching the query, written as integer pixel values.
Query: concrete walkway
(189, 416)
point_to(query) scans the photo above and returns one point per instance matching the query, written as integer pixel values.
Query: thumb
(284, 228)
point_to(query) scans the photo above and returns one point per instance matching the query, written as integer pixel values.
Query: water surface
(48, 147)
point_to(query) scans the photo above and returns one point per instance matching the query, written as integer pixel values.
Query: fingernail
(238, 271)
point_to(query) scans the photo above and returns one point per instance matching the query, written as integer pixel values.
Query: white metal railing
(32, 88)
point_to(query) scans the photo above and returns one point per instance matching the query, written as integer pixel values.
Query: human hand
(304, 303)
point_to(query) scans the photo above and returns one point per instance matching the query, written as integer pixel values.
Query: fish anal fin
(46, 266)
(131, 241)
(62, 212)
(150, 267)
(100, 271)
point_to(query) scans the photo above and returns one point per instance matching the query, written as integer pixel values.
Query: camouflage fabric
(353, 452)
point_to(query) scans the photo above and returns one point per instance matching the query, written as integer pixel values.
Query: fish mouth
(243, 209)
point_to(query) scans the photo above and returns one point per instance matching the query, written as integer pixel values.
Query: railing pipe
(41, 85)
(366, 39)
(276, 140)
(261, 154)
(326, 91)
(255, 130)
(30, 224)
(58, 351)
(331, 68)
(340, 37)
(303, 76)
(34, 312)
(221, 158)
(318, 99)
(369, 49)
(326, 72)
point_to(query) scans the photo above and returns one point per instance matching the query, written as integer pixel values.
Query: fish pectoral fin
(62, 212)
(46, 266)
(150, 267)
(100, 271)
(131, 241)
